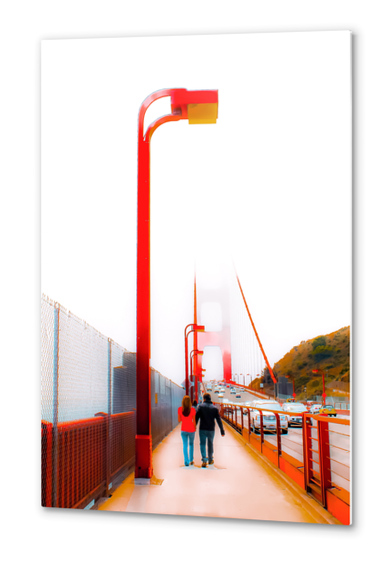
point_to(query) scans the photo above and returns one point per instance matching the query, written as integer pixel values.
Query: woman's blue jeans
(188, 443)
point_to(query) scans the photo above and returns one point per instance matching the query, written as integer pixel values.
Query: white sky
(269, 184)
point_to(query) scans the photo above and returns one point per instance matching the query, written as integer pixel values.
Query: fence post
(55, 444)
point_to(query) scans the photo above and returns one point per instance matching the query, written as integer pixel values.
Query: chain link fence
(88, 402)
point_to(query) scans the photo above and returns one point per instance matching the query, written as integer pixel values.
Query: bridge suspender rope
(256, 334)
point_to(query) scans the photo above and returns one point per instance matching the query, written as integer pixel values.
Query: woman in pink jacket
(186, 415)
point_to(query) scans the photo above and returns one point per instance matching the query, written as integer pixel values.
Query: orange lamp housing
(198, 106)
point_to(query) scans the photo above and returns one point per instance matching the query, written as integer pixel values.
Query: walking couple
(206, 414)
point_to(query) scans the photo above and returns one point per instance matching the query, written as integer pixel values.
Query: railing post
(305, 456)
(261, 431)
(324, 458)
(249, 422)
(307, 449)
(55, 443)
(279, 439)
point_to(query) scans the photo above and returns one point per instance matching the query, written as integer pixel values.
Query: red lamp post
(194, 328)
(195, 378)
(321, 372)
(198, 106)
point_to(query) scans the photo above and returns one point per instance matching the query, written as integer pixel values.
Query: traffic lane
(339, 434)
(246, 396)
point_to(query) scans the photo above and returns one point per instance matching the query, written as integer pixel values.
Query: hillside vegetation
(330, 353)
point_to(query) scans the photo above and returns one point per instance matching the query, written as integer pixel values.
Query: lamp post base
(148, 481)
(143, 448)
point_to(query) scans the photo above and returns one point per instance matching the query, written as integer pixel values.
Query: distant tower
(220, 338)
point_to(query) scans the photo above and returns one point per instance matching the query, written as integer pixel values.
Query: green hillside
(330, 353)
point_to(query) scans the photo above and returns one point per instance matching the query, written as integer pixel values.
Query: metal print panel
(196, 276)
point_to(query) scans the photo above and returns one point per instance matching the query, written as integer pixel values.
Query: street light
(194, 328)
(194, 379)
(198, 106)
(321, 372)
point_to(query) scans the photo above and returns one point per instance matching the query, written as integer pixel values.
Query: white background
(29, 530)
(269, 184)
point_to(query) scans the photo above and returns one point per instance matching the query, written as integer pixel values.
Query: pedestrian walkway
(240, 485)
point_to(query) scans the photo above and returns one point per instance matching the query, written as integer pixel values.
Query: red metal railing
(319, 462)
(80, 458)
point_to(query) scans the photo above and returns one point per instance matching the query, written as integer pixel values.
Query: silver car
(269, 422)
(294, 412)
(315, 408)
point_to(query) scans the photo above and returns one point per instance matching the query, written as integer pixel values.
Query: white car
(270, 404)
(269, 422)
(315, 408)
(294, 411)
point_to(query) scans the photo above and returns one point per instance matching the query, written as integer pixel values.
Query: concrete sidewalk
(240, 485)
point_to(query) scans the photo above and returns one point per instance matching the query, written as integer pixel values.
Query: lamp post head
(198, 106)
(195, 352)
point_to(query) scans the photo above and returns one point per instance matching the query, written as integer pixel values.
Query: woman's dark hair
(186, 406)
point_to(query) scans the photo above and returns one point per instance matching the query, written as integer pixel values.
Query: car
(328, 410)
(294, 411)
(269, 403)
(238, 395)
(294, 407)
(269, 422)
(314, 409)
(216, 391)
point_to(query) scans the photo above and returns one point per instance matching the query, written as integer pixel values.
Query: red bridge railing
(319, 462)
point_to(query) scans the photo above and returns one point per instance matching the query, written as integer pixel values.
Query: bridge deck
(240, 485)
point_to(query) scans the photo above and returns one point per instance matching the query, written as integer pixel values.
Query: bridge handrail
(318, 469)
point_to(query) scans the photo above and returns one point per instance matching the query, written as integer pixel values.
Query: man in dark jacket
(207, 413)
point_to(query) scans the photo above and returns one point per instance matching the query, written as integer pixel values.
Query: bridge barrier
(88, 396)
(88, 455)
(317, 459)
